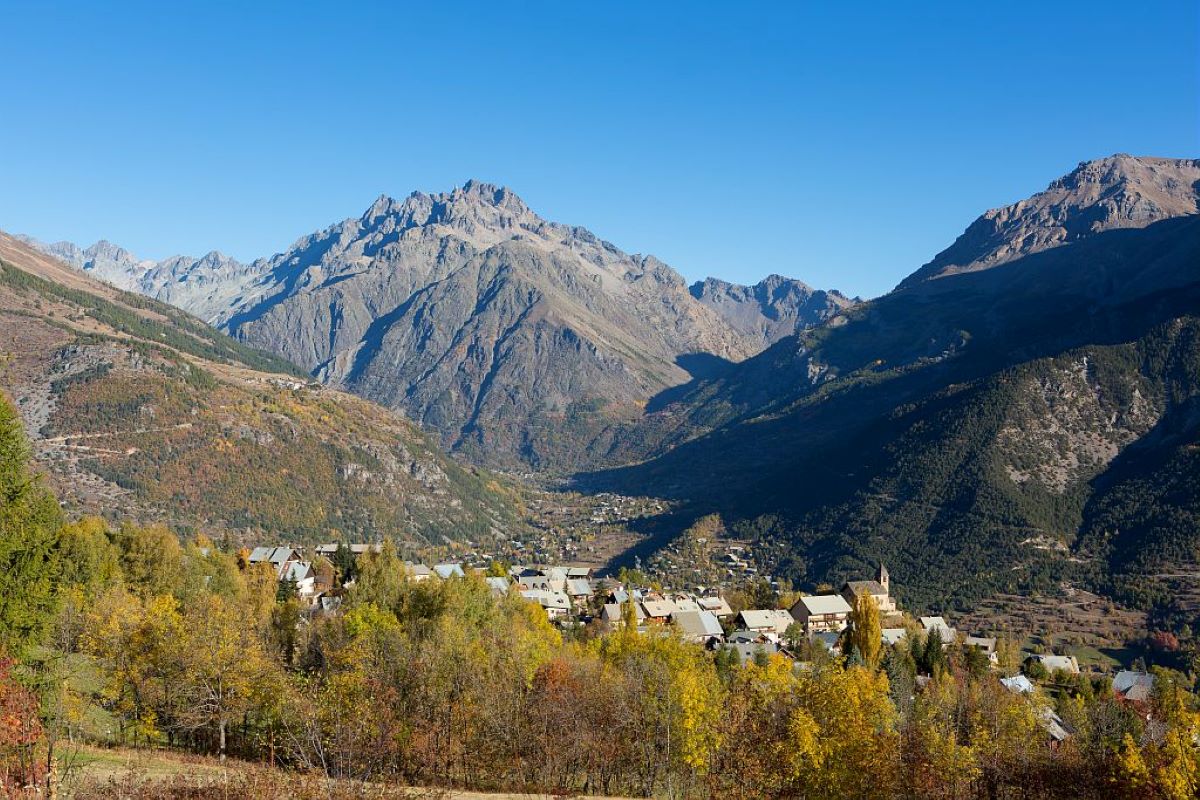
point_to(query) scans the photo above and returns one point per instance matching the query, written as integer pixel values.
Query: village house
(449, 570)
(658, 610)
(304, 577)
(717, 605)
(1133, 687)
(611, 613)
(579, 590)
(556, 604)
(748, 651)
(278, 557)
(985, 644)
(773, 621)
(498, 585)
(417, 572)
(880, 589)
(700, 627)
(948, 635)
(821, 612)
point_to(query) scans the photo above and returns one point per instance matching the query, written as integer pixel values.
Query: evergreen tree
(30, 522)
(344, 563)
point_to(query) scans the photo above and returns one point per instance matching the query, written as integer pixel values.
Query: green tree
(381, 579)
(89, 559)
(344, 563)
(151, 560)
(30, 522)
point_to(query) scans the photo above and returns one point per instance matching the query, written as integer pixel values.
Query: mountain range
(1020, 411)
(516, 340)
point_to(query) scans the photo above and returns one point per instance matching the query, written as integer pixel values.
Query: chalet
(701, 627)
(893, 635)
(658, 609)
(716, 605)
(821, 612)
(948, 635)
(302, 574)
(611, 613)
(770, 621)
(1018, 684)
(449, 570)
(579, 590)
(880, 589)
(1057, 730)
(985, 644)
(417, 572)
(278, 557)
(498, 585)
(555, 604)
(1133, 687)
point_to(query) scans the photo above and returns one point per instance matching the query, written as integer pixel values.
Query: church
(880, 589)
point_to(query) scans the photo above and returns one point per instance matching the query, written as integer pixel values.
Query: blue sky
(841, 144)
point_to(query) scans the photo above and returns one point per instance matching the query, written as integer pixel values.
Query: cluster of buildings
(575, 594)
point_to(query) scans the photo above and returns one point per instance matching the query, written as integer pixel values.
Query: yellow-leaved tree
(865, 630)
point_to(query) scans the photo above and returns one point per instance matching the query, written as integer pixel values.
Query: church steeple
(883, 579)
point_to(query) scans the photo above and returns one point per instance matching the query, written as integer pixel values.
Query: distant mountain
(771, 309)
(519, 341)
(1103, 195)
(976, 428)
(137, 410)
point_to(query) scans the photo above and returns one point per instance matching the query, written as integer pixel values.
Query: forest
(126, 635)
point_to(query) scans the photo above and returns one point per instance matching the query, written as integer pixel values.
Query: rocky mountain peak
(104, 249)
(1120, 191)
(482, 213)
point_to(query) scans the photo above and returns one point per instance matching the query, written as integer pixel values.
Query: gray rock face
(771, 309)
(517, 340)
(1109, 193)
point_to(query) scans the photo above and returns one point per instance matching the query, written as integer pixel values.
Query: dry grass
(125, 774)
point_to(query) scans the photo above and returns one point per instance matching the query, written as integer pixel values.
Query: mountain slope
(962, 428)
(771, 309)
(1107, 194)
(519, 341)
(136, 409)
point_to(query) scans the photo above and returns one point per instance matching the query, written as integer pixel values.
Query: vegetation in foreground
(128, 636)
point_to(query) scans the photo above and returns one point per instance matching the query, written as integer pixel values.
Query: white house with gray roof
(821, 612)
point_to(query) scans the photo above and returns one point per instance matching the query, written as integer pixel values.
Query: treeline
(444, 683)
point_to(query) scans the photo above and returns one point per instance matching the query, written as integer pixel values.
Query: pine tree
(30, 521)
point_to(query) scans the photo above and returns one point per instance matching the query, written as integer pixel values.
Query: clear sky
(843, 144)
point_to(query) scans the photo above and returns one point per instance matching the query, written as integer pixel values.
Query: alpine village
(449, 499)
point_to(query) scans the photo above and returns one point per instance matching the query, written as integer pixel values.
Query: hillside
(137, 410)
(976, 431)
(517, 340)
